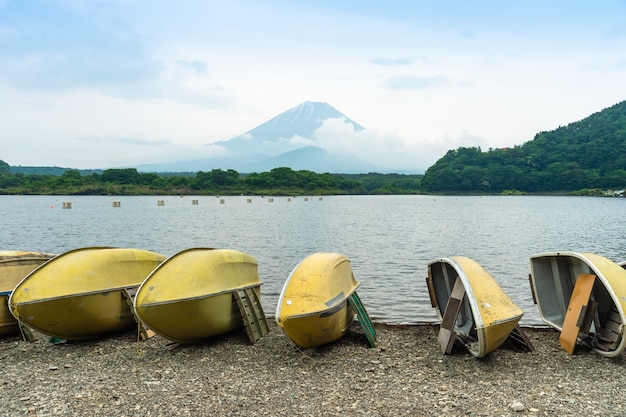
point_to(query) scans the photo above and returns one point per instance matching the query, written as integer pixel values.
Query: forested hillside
(587, 154)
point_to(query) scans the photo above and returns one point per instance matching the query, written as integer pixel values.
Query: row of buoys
(195, 202)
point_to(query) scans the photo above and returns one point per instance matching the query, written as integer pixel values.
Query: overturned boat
(82, 293)
(318, 302)
(472, 307)
(200, 293)
(582, 295)
(14, 266)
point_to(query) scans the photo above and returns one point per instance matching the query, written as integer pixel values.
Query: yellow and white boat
(14, 266)
(472, 307)
(582, 295)
(195, 295)
(313, 307)
(80, 294)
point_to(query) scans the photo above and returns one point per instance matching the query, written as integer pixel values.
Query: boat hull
(79, 294)
(487, 315)
(14, 266)
(553, 278)
(190, 297)
(313, 307)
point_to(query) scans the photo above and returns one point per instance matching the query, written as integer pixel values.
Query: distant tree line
(278, 181)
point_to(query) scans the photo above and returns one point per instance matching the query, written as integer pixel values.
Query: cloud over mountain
(313, 136)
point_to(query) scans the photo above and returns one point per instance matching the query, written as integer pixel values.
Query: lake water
(389, 239)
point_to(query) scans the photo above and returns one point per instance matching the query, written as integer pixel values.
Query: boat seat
(609, 335)
(447, 335)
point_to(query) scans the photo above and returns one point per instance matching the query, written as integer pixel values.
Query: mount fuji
(287, 140)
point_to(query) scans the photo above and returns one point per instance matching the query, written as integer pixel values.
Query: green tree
(121, 176)
(4, 167)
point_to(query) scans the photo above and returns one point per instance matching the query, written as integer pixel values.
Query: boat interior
(443, 276)
(554, 278)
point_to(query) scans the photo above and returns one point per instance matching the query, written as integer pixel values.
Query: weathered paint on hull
(189, 297)
(78, 294)
(192, 320)
(318, 329)
(553, 276)
(313, 306)
(488, 314)
(79, 317)
(14, 266)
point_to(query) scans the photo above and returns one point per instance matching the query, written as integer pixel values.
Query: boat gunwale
(77, 295)
(199, 297)
(338, 307)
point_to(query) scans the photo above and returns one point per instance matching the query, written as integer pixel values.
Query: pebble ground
(405, 375)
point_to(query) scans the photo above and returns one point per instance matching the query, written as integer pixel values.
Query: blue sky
(93, 84)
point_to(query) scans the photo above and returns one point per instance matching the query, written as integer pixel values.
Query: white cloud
(385, 150)
(300, 141)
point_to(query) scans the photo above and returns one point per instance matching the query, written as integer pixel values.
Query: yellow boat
(195, 295)
(582, 295)
(14, 266)
(313, 307)
(472, 307)
(80, 294)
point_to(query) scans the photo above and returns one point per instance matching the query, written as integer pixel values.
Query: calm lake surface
(389, 239)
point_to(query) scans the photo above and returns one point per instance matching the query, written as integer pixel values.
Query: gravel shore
(406, 375)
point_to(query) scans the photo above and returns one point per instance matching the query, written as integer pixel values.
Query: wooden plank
(614, 316)
(612, 326)
(447, 334)
(532, 289)
(577, 306)
(587, 314)
(431, 292)
(608, 336)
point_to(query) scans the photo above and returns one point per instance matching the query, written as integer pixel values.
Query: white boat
(582, 295)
